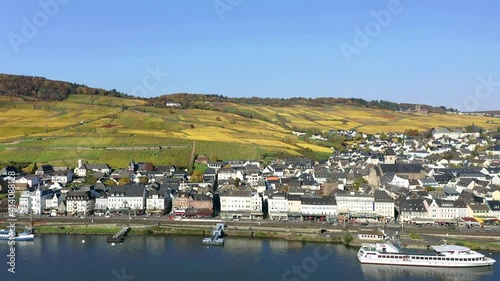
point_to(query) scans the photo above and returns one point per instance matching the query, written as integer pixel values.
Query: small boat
(217, 236)
(13, 235)
(214, 242)
(17, 236)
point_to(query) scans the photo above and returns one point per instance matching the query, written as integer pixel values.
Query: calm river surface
(66, 258)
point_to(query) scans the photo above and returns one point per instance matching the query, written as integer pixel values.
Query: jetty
(119, 237)
(217, 236)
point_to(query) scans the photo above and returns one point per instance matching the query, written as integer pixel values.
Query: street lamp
(126, 205)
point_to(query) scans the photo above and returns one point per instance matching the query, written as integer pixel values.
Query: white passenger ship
(390, 253)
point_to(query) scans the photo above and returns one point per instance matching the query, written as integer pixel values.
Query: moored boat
(217, 236)
(17, 236)
(390, 253)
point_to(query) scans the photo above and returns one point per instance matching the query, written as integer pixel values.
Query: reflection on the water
(154, 245)
(243, 245)
(278, 246)
(392, 272)
(295, 245)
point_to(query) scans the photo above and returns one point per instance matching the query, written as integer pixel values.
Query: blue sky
(431, 52)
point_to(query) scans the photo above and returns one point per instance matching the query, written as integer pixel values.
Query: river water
(66, 258)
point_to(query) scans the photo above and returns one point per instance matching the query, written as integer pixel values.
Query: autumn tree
(30, 169)
(90, 180)
(143, 180)
(197, 176)
(109, 182)
(124, 181)
(34, 168)
(411, 132)
(428, 134)
(448, 155)
(338, 142)
(358, 183)
(429, 189)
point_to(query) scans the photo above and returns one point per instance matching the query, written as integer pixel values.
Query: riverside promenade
(412, 236)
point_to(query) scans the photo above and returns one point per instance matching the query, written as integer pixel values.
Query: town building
(79, 203)
(127, 198)
(384, 205)
(278, 206)
(356, 205)
(318, 208)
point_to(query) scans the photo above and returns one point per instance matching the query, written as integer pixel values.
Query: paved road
(165, 220)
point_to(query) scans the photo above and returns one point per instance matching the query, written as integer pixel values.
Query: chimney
(80, 163)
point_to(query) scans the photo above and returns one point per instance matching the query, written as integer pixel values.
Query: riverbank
(196, 231)
(253, 231)
(303, 234)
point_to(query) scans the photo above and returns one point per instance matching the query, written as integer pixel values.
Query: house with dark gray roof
(209, 175)
(294, 206)
(451, 193)
(443, 179)
(494, 150)
(477, 210)
(437, 194)
(321, 175)
(384, 204)
(129, 196)
(403, 170)
(44, 170)
(411, 171)
(156, 201)
(145, 167)
(494, 206)
(299, 163)
(80, 203)
(446, 211)
(9, 171)
(277, 205)
(318, 207)
(412, 208)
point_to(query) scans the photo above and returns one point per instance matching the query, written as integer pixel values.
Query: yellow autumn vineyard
(115, 130)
